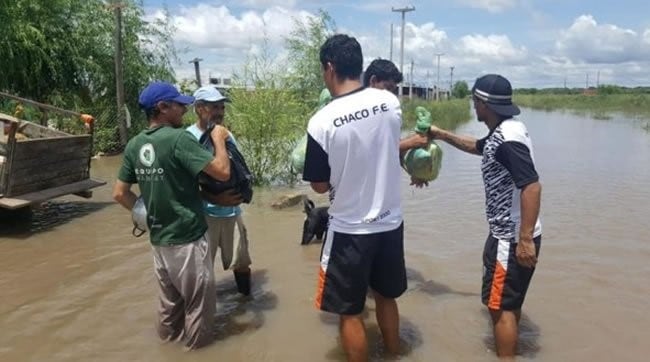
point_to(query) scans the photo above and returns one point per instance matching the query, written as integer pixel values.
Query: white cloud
(421, 42)
(225, 37)
(493, 6)
(586, 40)
(266, 3)
(495, 48)
(209, 26)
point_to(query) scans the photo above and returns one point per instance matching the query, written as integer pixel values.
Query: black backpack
(241, 179)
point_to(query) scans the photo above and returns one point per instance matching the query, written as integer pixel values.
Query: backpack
(241, 179)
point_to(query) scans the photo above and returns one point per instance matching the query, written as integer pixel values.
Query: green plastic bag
(423, 163)
(297, 156)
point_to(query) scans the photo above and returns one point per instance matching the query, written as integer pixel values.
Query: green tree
(266, 116)
(304, 44)
(61, 52)
(460, 90)
(608, 89)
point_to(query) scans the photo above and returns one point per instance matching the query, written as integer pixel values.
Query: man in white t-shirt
(353, 151)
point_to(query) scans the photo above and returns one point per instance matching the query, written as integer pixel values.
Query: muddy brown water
(76, 286)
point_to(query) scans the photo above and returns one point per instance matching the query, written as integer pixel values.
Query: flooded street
(76, 286)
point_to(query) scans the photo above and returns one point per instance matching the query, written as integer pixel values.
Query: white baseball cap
(209, 93)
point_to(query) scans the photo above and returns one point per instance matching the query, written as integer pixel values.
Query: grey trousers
(229, 234)
(187, 293)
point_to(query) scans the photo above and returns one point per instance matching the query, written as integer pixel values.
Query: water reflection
(236, 313)
(26, 222)
(418, 283)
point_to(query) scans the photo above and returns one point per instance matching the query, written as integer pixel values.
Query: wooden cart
(38, 163)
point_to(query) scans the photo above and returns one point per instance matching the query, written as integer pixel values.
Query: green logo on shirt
(147, 155)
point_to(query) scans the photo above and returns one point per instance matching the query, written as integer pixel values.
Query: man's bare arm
(219, 168)
(320, 187)
(530, 204)
(123, 195)
(463, 143)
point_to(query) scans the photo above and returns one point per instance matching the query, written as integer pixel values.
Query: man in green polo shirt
(165, 161)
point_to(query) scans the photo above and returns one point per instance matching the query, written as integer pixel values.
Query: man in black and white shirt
(512, 200)
(353, 150)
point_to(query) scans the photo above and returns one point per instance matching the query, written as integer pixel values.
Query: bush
(266, 123)
(267, 117)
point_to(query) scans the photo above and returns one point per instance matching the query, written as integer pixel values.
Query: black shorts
(350, 263)
(505, 282)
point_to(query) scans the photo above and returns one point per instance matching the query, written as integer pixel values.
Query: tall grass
(446, 114)
(598, 106)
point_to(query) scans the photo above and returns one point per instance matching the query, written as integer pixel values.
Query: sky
(534, 43)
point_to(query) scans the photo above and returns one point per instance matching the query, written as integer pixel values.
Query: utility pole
(438, 80)
(391, 42)
(119, 72)
(401, 62)
(411, 82)
(598, 79)
(427, 93)
(196, 70)
(587, 87)
(451, 80)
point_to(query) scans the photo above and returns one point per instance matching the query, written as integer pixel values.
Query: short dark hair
(344, 52)
(382, 69)
(152, 113)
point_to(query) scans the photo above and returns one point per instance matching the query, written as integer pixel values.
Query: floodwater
(76, 286)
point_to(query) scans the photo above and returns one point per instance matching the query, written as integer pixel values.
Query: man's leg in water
(505, 325)
(353, 338)
(387, 315)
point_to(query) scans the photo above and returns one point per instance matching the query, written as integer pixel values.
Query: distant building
(222, 84)
(420, 92)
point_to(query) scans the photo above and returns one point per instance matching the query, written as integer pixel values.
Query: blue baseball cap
(161, 91)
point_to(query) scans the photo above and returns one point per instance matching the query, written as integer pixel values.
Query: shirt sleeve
(192, 156)
(317, 168)
(127, 170)
(480, 144)
(515, 157)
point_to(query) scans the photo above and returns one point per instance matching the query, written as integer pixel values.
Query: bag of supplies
(423, 163)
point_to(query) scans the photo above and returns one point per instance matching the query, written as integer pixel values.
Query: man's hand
(414, 141)
(219, 132)
(525, 252)
(418, 140)
(226, 198)
(418, 183)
